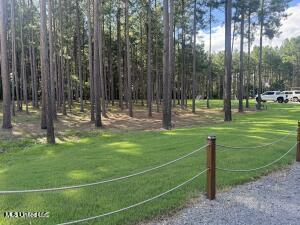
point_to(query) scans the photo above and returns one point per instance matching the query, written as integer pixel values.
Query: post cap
(211, 137)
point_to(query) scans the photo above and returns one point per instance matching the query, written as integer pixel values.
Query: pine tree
(4, 69)
(45, 72)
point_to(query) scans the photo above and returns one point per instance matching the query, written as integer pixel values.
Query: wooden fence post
(211, 166)
(298, 143)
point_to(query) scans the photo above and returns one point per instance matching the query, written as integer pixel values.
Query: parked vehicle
(293, 95)
(275, 96)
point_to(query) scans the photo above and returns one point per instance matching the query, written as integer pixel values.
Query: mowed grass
(100, 156)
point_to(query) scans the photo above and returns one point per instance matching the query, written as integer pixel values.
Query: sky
(290, 28)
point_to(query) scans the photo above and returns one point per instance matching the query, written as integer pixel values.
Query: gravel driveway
(274, 199)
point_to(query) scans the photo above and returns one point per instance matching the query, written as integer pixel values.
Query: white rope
(104, 181)
(134, 205)
(258, 168)
(259, 146)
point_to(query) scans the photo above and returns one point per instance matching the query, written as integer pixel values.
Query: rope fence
(258, 168)
(137, 204)
(256, 147)
(104, 181)
(210, 171)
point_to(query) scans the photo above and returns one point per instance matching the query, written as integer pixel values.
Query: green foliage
(273, 12)
(278, 85)
(281, 66)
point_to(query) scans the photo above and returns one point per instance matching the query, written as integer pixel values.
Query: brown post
(298, 143)
(211, 166)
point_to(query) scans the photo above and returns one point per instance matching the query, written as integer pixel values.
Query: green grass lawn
(99, 156)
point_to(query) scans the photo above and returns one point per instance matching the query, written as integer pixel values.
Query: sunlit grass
(100, 156)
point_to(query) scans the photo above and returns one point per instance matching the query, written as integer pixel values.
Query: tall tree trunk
(61, 62)
(241, 75)
(14, 55)
(15, 73)
(19, 88)
(33, 63)
(64, 108)
(128, 57)
(110, 64)
(178, 73)
(173, 85)
(105, 80)
(149, 61)
(141, 62)
(52, 60)
(228, 61)
(194, 58)
(69, 89)
(183, 56)
(101, 60)
(158, 94)
(45, 72)
(125, 75)
(35, 77)
(98, 120)
(31, 74)
(23, 68)
(249, 58)
(57, 54)
(209, 88)
(171, 59)
(90, 40)
(30, 57)
(166, 122)
(261, 19)
(57, 80)
(119, 57)
(79, 56)
(6, 124)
